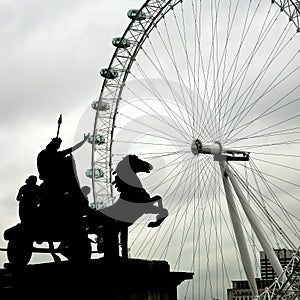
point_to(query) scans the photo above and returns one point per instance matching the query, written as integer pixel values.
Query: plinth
(130, 279)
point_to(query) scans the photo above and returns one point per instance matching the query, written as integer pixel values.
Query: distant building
(240, 288)
(266, 270)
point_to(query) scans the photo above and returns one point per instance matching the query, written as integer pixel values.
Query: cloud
(50, 56)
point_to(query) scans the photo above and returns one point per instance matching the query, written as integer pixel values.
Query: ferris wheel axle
(220, 153)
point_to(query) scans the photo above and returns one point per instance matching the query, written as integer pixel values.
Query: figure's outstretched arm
(78, 145)
(75, 147)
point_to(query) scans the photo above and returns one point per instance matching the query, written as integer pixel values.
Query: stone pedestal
(131, 279)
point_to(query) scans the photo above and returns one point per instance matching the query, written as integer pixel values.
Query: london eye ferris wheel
(209, 93)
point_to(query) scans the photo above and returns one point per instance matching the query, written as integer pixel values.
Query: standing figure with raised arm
(60, 188)
(50, 161)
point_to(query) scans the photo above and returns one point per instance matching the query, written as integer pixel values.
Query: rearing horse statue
(133, 202)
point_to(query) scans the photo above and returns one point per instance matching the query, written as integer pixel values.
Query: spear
(59, 122)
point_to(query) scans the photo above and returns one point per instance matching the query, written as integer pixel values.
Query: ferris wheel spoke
(197, 58)
(175, 114)
(208, 231)
(248, 107)
(277, 154)
(255, 135)
(154, 135)
(186, 200)
(229, 24)
(290, 215)
(184, 178)
(189, 70)
(195, 195)
(236, 88)
(152, 127)
(147, 143)
(185, 174)
(236, 75)
(242, 73)
(185, 226)
(244, 108)
(221, 100)
(274, 203)
(284, 166)
(269, 175)
(174, 169)
(213, 64)
(272, 144)
(199, 65)
(272, 133)
(177, 97)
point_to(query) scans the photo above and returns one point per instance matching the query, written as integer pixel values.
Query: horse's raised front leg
(162, 212)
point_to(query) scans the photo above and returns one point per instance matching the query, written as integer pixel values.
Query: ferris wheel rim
(122, 84)
(293, 14)
(150, 26)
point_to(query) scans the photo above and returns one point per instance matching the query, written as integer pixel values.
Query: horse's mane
(127, 182)
(124, 172)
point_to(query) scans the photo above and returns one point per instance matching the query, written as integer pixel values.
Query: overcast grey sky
(50, 56)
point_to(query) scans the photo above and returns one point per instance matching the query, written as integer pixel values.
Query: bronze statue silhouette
(60, 188)
(61, 194)
(133, 203)
(56, 168)
(61, 212)
(29, 200)
(58, 217)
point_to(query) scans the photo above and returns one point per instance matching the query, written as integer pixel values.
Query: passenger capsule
(120, 43)
(109, 73)
(135, 14)
(95, 105)
(99, 139)
(104, 106)
(98, 173)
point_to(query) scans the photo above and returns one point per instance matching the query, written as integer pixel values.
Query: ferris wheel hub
(218, 151)
(199, 148)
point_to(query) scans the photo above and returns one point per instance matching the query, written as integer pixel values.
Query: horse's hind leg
(111, 242)
(52, 251)
(124, 241)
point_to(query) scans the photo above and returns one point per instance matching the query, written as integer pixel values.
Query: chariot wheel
(206, 91)
(19, 251)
